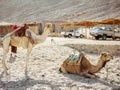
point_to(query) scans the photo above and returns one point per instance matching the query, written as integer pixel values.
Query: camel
(11, 40)
(83, 67)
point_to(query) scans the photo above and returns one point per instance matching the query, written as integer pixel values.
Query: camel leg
(87, 75)
(27, 58)
(4, 64)
(94, 75)
(5, 51)
(62, 69)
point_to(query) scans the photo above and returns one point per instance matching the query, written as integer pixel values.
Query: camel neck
(98, 67)
(44, 35)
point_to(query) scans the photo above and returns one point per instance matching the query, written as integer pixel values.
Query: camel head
(26, 26)
(105, 57)
(49, 26)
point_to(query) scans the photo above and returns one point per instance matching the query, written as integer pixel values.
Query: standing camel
(11, 40)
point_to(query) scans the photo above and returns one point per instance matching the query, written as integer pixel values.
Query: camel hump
(85, 64)
(73, 63)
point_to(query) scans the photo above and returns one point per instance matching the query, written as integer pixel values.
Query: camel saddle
(73, 63)
(75, 57)
(22, 32)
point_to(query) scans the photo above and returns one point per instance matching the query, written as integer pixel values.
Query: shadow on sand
(12, 59)
(26, 83)
(90, 81)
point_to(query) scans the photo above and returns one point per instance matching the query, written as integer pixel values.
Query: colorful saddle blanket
(75, 57)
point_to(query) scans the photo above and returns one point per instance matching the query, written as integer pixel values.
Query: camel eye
(109, 54)
(102, 53)
(105, 55)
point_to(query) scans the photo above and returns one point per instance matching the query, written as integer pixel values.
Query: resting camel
(83, 67)
(11, 40)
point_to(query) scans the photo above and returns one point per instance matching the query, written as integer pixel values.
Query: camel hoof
(27, 78)
(93, 77)
(60, 70)
(97, 76)
(6, 74)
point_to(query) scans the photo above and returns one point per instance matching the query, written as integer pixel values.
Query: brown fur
(84, 67)
(21, 32)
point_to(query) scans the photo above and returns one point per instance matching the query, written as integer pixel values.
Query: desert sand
(44, 64)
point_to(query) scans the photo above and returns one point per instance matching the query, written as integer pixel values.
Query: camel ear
(102, 53)
(49, 25)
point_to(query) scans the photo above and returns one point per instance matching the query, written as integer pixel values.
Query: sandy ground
(44, 64)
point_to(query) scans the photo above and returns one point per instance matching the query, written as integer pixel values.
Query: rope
(53, 41)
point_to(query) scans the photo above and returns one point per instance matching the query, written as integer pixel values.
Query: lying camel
(83, 67)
